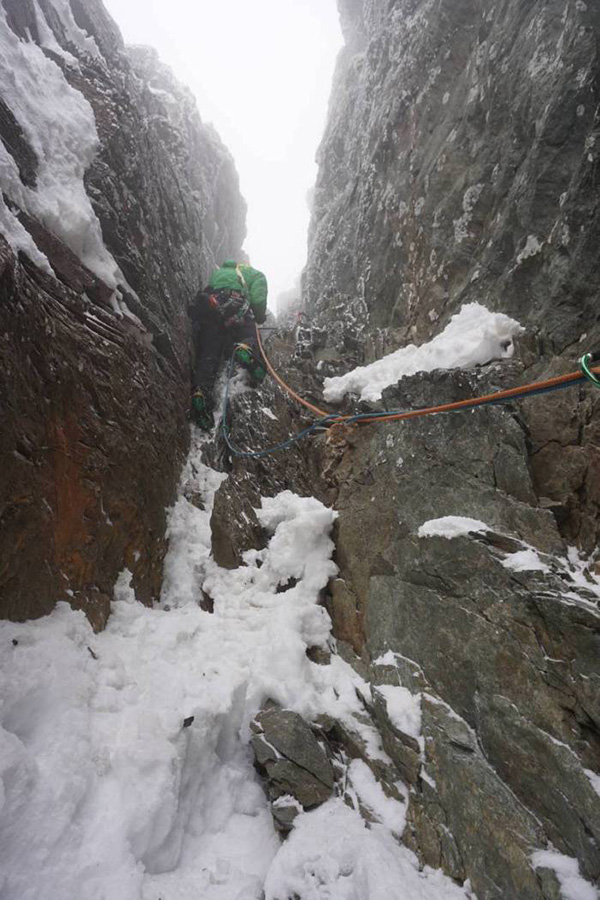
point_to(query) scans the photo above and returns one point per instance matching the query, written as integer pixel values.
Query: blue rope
(546, 390)
(326, 421)
(283, 445)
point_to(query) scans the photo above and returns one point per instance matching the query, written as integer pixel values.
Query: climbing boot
(244, 355)
(201, 412)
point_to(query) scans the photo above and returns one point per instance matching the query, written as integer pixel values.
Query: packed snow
(525, 561)
(124, 758)
(371, 795)
(403, 709)
(451, 527)
(580, 582)
(473, 336)
(60, 127)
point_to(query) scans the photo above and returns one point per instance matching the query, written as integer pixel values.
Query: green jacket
(232, 276)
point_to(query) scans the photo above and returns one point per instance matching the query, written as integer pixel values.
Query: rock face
(458, 164)
(495, 632)
(116, 201)
(505, 659)
(299, 773)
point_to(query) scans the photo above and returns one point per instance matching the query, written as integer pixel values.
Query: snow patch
(123, 590)
(403, 709)
(59, 125)
(124, 765)
(452, 526)
(74, 34)
(386, 659)
(18, 237)
(473, 336)
(48, 39)
(332, 855)
(525, 561)
(594, 780)
(572, 885)
(386, 810)
(532, 248)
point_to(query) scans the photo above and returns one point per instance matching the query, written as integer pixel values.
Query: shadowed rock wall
(94, 373)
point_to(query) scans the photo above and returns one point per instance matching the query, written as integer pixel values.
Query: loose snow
(473, 336)
(60, 127)
(332, 855)
(125, 770)
(451, 527)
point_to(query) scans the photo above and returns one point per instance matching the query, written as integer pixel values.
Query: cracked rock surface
(292, 761)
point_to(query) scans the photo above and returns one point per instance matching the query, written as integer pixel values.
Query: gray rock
(477, 828)
(284, 814)
(291, 759)
(457, 165)
(513, 654)
(401, 747)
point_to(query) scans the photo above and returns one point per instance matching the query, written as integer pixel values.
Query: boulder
(292, 761)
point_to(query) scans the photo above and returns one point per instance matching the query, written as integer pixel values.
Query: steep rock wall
(458, 165)
(116, 200)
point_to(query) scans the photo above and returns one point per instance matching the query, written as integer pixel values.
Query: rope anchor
(584, 364)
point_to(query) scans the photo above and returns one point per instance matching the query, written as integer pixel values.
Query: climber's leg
(247, 354)
(208, 346)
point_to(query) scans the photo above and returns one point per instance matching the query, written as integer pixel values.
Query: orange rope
(486, 398)
(430, 410)
(320, 412)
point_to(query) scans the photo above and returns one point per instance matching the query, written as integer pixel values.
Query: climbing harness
(328, 420)
(232, 306)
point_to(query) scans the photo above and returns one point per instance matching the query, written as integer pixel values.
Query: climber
(223, 318)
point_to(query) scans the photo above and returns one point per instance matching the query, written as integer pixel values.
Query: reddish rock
(94, 404)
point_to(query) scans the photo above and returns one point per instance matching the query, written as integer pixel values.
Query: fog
(261, 71)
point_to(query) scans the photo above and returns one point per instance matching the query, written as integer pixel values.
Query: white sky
(261, 71)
